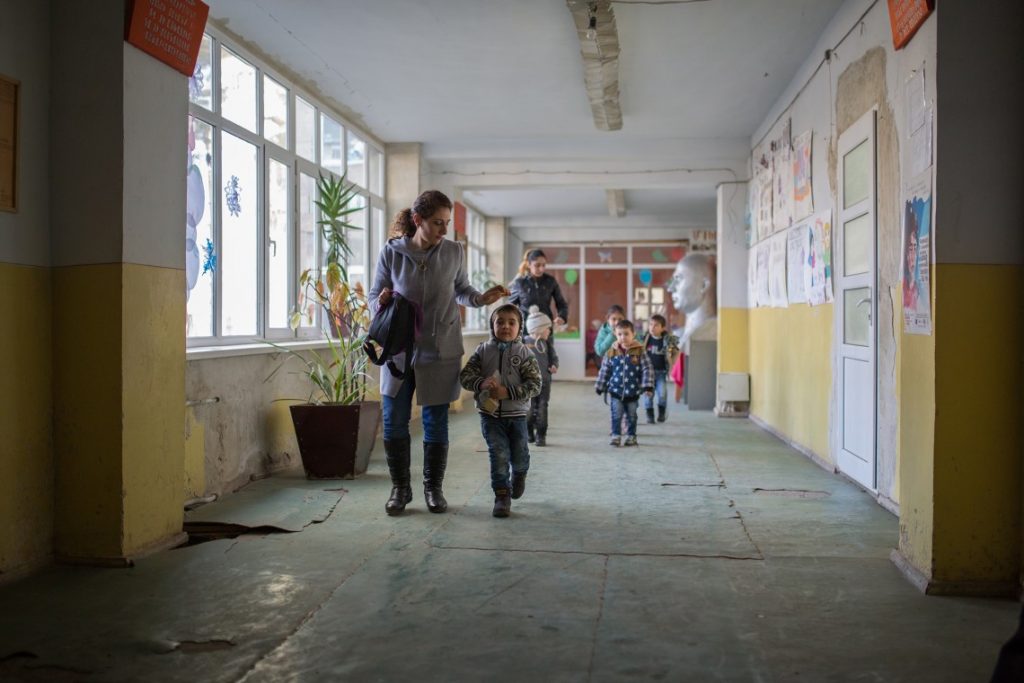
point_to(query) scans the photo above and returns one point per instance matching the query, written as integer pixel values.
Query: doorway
(856, 302)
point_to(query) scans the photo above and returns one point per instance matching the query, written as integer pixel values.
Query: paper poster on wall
(777, 271)
(803, 202)
(752, 277)
(782, 194)
(764, 297)
(764, 204)
(818, 272)
(917, 219)
(797, 244)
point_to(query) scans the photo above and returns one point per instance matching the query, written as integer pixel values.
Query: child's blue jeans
(506, 446)
(660, 390)
(622, 407)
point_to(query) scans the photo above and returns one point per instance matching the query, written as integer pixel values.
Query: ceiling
(494, 91)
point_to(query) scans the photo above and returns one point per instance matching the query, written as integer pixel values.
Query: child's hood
(490, 325)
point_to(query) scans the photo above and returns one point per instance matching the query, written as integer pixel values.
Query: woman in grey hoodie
(425, 268)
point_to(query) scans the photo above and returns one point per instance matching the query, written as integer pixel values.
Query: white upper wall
(25, 57)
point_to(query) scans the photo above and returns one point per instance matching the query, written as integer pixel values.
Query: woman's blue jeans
(398, 411)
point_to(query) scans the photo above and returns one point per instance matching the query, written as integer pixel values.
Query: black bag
(395, 329)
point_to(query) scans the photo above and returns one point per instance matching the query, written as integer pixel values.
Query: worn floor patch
(284, 509)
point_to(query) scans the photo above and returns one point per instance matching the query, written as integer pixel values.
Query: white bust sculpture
(693, 293)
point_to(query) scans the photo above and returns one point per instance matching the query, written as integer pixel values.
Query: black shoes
(661, 413)
(542, 439)
(397, 451)
(435, 459)
(650, 416)
(502, 503)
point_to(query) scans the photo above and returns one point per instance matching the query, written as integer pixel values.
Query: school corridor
(711, 552)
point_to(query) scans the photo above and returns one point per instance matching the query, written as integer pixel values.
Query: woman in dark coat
(534, 287)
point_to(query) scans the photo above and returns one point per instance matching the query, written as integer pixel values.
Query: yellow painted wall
(791, 372)
(979, 342)
(733, 340)
(26, 403)
(119, 387)
(87, 410)
(153, 395)
(916, 389)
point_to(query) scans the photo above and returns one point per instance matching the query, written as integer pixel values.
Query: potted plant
(336, 426)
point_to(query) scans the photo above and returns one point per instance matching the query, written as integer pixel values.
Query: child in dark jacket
(538, 327)
(662, 347)
(625, 374)
(503, 375)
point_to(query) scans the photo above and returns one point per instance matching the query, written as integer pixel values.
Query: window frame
(267, 150)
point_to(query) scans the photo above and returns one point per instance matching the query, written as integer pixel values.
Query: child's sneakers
(614, 441)
(630, 441)
(502, 503)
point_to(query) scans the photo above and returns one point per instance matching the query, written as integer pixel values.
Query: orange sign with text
(905, 17)
(170, 30)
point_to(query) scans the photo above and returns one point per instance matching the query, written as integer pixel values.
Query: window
(476, 267)
(256, 148)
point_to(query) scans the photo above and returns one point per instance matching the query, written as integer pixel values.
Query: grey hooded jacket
(517, 367)
(436, 280)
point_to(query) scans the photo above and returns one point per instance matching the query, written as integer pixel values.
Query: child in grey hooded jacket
(503, 375)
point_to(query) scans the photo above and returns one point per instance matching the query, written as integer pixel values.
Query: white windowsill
(254, 349)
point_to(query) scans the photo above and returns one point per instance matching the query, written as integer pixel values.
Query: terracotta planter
(335, 441)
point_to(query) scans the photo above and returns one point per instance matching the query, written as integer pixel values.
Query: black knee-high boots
(397, 452)
(435, 459)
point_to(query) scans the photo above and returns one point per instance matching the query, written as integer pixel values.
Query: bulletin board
(8, 144)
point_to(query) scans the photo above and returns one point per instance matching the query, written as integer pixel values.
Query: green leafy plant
(338, 374)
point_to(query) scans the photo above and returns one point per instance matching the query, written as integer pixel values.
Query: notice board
(170, 30)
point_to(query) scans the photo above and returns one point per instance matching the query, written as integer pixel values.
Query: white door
(856, 301)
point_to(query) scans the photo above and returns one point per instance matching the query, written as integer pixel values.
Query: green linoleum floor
(712, 552)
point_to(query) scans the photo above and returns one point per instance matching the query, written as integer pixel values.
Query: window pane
(307, 238)
(200, 85)
(356, 160)
(856, 316)
(605, 255)
(857, 245)
(331, 134)
(200, 256)
(237, 89)
(378, 231)
(239, 255)
(356, 236)
(376, 172)
(305, 129)
(275, 112)
(856, 174)
(278, 245)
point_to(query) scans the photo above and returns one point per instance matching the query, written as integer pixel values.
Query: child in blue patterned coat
(626, 373)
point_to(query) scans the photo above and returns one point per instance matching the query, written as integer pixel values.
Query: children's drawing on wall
(782, 196)
(752, 277)
(777, 271)
(764, 297)
(764, 203)
(797, 244)
(917, 216)
(818, 273)
(803, 204)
